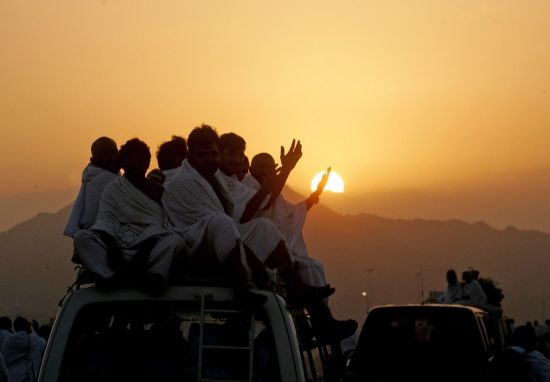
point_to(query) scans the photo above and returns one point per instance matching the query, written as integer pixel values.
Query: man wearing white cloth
(250, 205)
(289, 218)
(23, 352)
(130, 226)
(103, 168)
(198, 209)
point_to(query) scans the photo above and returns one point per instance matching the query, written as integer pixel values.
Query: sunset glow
(335, 182)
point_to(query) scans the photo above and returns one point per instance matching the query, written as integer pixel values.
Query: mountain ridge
(36, 268)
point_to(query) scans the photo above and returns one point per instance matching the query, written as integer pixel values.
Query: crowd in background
(22, 345)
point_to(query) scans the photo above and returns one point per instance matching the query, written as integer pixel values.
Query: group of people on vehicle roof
(472, 291)
(202, 209)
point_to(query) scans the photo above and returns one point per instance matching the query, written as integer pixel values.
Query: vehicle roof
(430, 307)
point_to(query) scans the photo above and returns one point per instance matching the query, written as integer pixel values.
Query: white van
(189, 333)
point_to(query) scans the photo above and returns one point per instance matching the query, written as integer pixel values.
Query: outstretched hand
(323, 182)
(289, 160)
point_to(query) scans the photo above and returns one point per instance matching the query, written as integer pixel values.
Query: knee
(225, 224)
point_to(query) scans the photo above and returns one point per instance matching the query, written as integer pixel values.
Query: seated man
(288, 217)
(129, 228)
(472, 292)
(454, 289)
(197, 208)
(170, 156)
(103, 168)
(246, 203)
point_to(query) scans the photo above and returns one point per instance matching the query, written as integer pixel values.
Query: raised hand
(323, 182)
(289, 160)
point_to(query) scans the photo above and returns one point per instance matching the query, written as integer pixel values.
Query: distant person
(524, 342)
(539, 330)
(288, 217)
(170, 156)
(472, 292)
(129, 229)
(23, 352)
(5, 329)
(103, 168)
(454, 289)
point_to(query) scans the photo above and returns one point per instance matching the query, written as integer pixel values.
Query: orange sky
(390, 94)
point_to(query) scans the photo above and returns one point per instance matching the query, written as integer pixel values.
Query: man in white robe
(131, 225)
(198, 208)
(454, 289)
(472, 292)
(289, 218)
(170, 156)
(103, 168)
(5, 329)
(23, 352)
(245, 206)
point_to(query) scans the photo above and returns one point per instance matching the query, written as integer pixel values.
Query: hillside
(35, 268)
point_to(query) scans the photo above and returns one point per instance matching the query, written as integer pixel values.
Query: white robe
(194, 210)
(22, 354)
(169, 176)
(261, 235)
(131, 218)
(86, 205)
(290, 220)
(452, 294)
(473, 294)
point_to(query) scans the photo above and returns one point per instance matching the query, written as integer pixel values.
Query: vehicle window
(167, 341)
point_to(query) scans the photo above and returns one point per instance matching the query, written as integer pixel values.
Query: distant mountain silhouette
(35, 266)
(18, 208)
(518, 198)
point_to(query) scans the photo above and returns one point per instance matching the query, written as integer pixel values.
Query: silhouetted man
(472, 292)
(5, 329)
(288, 217)
(103, 168)
(199, 209)
(454, 289)
(23, 352)
(170, 156)
(129, 228)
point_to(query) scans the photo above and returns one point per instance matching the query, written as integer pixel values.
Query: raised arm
(314, 197)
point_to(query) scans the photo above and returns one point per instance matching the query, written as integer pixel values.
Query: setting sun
(335, 182)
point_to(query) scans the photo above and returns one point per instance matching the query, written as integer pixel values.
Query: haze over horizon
(394, 96)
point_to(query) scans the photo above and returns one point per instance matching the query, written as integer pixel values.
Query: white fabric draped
(194, 210)
(22, 354)
(290, 219)
(85, 207)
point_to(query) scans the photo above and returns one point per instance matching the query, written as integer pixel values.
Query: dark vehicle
(190, 333)
(424, 343)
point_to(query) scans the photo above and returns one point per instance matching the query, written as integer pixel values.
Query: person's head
(535, 323)
(135, 157)
(525, 337)
(232, 149)
(170, 154)
(244, 169)
(5, 323)
(21, 324)
(262, 165)
(105, 154)
(452, 278)
(547, 322)
(204, 154)
(467, 277)
(474, 273)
